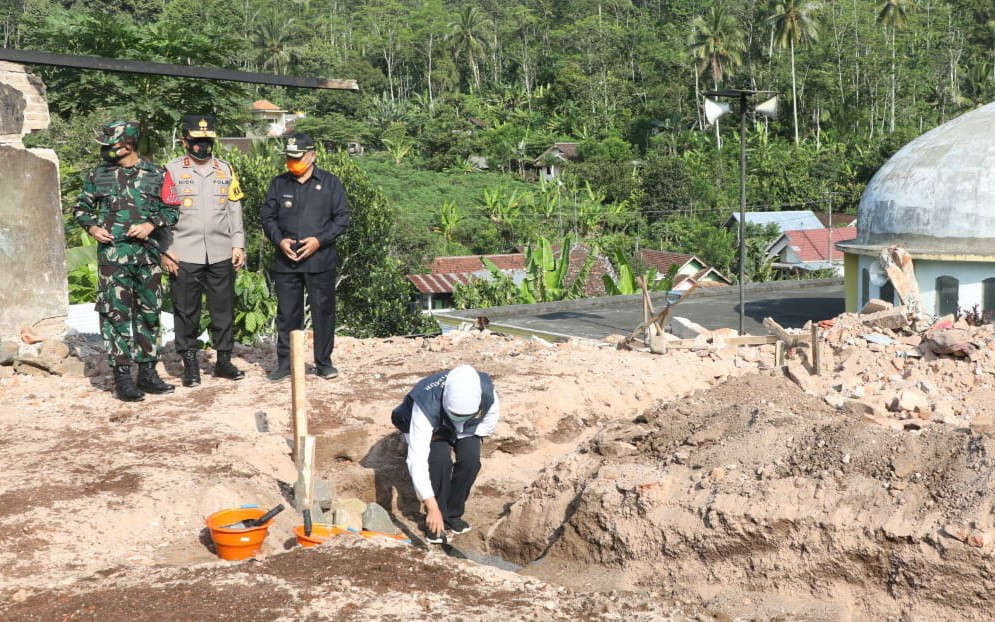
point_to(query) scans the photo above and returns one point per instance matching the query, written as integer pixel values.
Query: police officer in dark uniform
(305, 211)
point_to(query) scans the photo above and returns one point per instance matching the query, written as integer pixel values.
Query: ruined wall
(33, 288)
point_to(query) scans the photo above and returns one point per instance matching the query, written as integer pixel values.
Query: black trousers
(290, 287)
(217, 280)
(452, 482)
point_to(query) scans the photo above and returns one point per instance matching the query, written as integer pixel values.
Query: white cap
(461, 395)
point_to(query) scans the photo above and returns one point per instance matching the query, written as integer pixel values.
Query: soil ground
(695, 485)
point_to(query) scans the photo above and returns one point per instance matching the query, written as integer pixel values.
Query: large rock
(375, 518)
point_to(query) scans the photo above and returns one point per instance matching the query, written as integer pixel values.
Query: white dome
(936, 195)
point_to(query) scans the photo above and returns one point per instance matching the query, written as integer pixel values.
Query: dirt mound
(754, 490)
(349, 579)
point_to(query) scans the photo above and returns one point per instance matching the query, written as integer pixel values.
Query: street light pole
(712, 112)
(742, 206)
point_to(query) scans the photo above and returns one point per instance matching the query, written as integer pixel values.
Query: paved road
(790, 303)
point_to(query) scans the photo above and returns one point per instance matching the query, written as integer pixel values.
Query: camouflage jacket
(115, 198)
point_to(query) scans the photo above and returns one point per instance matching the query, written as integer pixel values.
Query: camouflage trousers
(129, 299)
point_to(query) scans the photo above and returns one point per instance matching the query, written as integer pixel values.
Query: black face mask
(111, 154)
(200, 148)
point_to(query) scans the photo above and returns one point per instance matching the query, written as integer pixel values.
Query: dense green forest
(447, 86)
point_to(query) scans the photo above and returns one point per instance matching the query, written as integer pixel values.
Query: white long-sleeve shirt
(419, 440)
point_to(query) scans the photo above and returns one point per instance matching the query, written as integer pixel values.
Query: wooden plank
(776, 329)
(816, 362)
(100, 63)
(743, 340)
(298, 402)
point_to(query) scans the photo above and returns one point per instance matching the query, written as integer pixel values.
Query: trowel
(251, 523)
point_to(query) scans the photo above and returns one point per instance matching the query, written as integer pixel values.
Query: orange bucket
(237, 543)
(320, 532)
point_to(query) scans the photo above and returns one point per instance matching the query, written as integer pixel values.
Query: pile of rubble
(900, 371)
(45, 350)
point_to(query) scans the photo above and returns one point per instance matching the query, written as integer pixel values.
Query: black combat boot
(149, 380)
(191, 372)
(224, 368)
(124, 386)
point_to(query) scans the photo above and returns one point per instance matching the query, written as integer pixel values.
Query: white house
(550, 162)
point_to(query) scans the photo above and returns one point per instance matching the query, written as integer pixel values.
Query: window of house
(988, 299)
(865, 287)
(947, 295)
(887, 292)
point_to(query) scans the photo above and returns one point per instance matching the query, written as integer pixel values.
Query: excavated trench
(760, 500)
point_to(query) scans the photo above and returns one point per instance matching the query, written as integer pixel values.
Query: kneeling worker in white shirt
(444, 414)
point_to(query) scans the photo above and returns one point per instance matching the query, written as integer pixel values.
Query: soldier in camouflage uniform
(121, 206)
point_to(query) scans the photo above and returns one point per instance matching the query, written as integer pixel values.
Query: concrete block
(874, 305)
(683, 328)
(32, 251)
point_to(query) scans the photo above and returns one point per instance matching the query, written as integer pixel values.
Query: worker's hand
(287, 246)
(308, 247)
(170, 264)
(433, 517)
(237, 258)
(141, 231)
(100, 234)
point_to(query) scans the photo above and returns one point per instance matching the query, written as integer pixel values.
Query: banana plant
(449, 217)
(501, 209)
(546, 274)
(626, 283)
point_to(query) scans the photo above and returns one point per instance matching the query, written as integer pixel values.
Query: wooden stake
(648, 311)
(816, 362)
(305, 472)
(779, 354)
(298, 397)
(659, 317)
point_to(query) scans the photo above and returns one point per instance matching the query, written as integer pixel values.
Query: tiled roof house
(690, 269)
(813, 249)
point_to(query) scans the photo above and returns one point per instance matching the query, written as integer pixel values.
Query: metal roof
(786, 221)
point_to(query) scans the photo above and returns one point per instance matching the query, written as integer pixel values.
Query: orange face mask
(297, 166)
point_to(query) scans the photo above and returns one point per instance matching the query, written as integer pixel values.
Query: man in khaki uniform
(207, 245)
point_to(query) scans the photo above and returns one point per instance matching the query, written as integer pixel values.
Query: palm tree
(273, 40)
(465, 33)
(794, 23)
(718, 44)
(892, 17)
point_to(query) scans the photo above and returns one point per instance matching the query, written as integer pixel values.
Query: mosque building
(935, 197)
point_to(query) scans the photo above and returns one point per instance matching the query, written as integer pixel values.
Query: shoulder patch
(235, 189)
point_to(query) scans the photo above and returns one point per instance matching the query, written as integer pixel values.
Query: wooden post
(298, 397)
(779, 354)
(816, 362)
(305, 473)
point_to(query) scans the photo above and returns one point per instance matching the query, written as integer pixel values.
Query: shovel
(251, 523)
